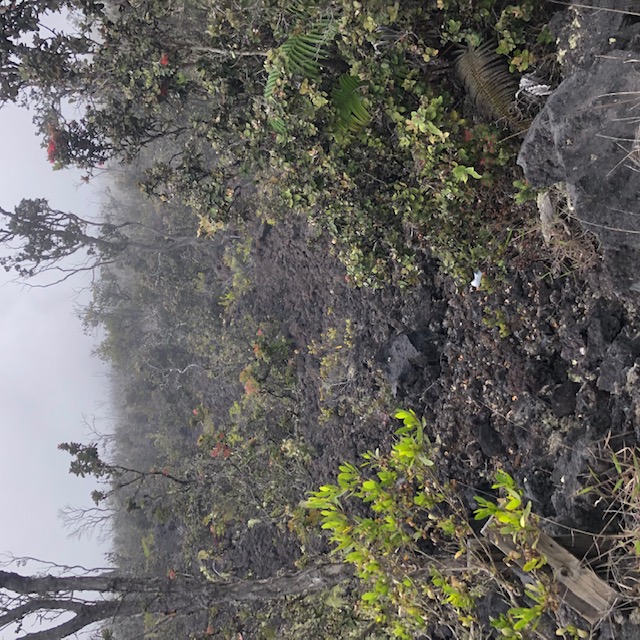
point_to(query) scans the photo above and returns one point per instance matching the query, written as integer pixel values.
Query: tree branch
(31, 606)
(89, 614)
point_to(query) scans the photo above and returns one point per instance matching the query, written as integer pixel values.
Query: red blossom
(52, 146)
(52, 150)
(164, 59)
(195, 412)
(259, 332)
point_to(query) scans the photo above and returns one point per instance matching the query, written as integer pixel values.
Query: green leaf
(370, 486)
(462, 173)
(513, 504)
(354, 557)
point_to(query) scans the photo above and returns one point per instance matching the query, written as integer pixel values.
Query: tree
(40, 239)
(35, 58)
(116, 594)
(129, 67)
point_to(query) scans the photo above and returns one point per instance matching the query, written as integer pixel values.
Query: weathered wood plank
(586, 593)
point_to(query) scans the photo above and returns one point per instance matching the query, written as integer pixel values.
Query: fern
(272, 81)
(301, 54)
(352, 114)
(278, 125)
(488, 81)
(301, 10)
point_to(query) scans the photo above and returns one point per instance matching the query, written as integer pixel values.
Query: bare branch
(88, 615)
(32, 606)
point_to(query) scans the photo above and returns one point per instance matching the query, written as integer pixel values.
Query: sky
(50, 384)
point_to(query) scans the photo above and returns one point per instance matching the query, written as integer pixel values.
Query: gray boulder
(587, 136)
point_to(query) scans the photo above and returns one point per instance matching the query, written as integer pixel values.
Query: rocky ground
(536, 371)
(531, 378)
(532, 373)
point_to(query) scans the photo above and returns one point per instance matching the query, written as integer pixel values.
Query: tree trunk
(124, 595)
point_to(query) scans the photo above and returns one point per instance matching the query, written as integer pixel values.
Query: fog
(48, 378)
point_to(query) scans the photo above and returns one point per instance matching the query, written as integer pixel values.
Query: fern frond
(298, 9)
(488, 81)
(304, 10)
(352, 114)
(272, 82)
(301, 54)
(278, 125)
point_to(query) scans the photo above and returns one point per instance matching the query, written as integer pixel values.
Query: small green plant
(520, 622)
(336, 368)
(496, 319)
(524, 192)
(572, 632)
(407, 547)
(409, 507)
(511, 515)
(237, 258)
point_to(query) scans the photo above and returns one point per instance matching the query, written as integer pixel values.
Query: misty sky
(48, 379)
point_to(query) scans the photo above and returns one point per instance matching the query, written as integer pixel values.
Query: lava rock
(400, 358)
(618, 360)
(587, 137)
(563, 399)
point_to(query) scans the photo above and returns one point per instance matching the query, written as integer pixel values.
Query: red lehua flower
(164, 59)
(195, 412)
(259, 332)
(52, 150)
